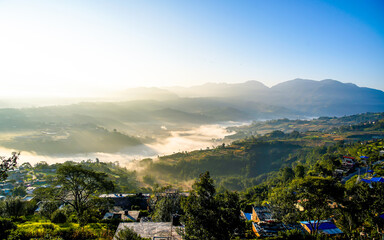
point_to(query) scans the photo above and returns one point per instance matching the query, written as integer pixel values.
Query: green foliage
(243, 161)
(6, 226)
(166, 206)
(299, 171)
(59, 217)
(14, 207)
(128, 234)
(7, 164)
(287, 174)
(82, 185)
(313, 194)
(50, 231)
(294, 235)
(47, 208)
(19, 191)
(207, 215)
(149, 180)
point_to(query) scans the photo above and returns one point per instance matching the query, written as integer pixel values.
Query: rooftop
(151, 229)
(325, 226)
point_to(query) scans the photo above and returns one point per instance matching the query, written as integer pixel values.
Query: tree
(366, 201)
(47, 208)
(166, 207)
(207, 215)
(7, 164)
(80, 187)
(14, 207)
(313, 194)
(19, 191)
(299, 171)
(287, 174)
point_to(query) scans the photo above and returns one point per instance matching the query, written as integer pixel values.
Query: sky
(83, 48)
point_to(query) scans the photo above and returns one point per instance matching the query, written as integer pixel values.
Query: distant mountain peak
(255, 83)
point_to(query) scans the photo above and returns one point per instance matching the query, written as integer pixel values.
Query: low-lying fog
(187, 140)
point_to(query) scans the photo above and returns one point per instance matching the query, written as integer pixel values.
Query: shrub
(18, 235)
(64, 233)
(6, 226)
(48, 207)
(58, 217)
(128, 234)
(135, 207)
(80, 234)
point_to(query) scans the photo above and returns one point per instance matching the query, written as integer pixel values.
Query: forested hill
(255, 159)
(321, 124)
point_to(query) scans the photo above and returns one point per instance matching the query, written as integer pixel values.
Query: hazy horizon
(84, 48)
(37, 99)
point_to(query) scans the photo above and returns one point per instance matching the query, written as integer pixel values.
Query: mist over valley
(147, 122)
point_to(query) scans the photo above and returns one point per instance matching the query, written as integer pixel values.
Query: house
(6, 185)
(264, 225)
(267, 229)
(348, 161)
(123, 215)
(324, 226)
(262, 214)
(246, 216)
(381, 153)
(27, 198)
(30, 190)
(152, 230)
(6, 191)
(374, 179)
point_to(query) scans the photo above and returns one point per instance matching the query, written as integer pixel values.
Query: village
(132, 210)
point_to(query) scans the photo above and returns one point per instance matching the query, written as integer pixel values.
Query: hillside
(255, 159)
(114, 126)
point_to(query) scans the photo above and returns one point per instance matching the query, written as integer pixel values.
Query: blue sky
(73, 48)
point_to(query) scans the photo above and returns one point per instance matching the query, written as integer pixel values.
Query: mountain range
(326, 97)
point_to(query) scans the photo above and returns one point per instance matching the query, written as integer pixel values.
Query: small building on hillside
(268, 229)
(264, 225)
(123, 215)
(324, 226)
(374, 179)
(381, 153)
(348, 161)
(261, 214)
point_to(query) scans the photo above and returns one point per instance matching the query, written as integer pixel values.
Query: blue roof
(364, 157)
(327, 227)
(322, 226)
(375, 179)
(248, 216)
(382, 215)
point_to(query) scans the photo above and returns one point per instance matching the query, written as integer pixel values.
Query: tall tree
(207, 215)
(80, 187)
(166, 206)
